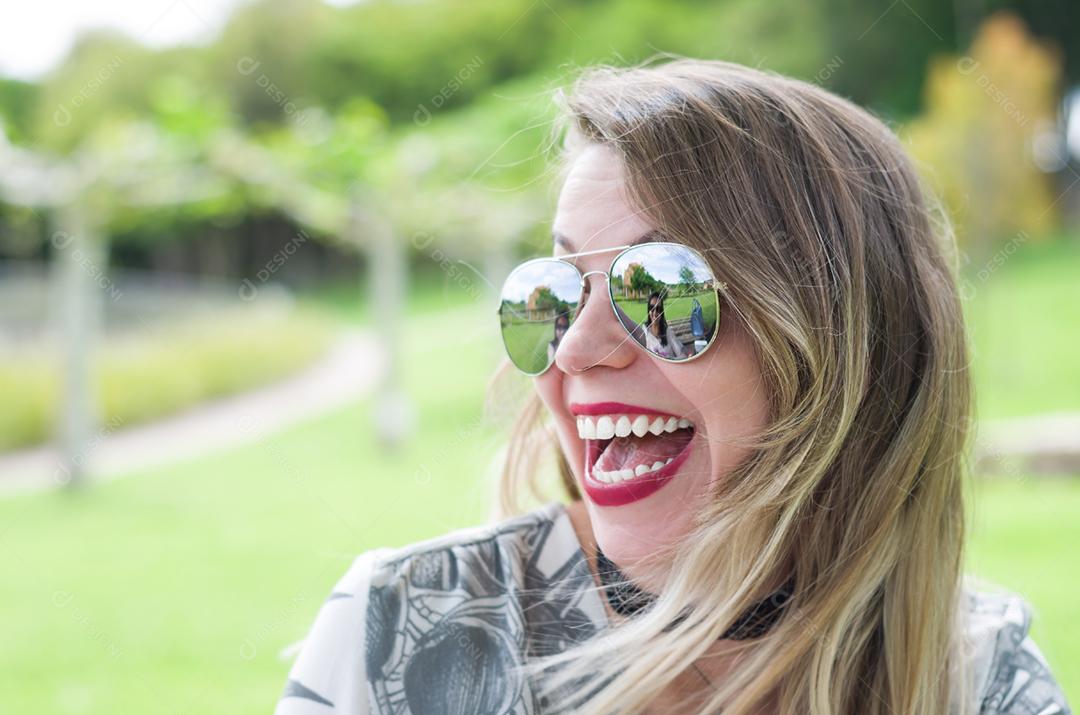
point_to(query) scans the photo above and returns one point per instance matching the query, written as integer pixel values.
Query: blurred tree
(983, 111)
(686, 277)
(642, 282)
(262, 59)
(466, 85)
(106, 75)
(547, 301)
(17, 101)
(883, 46)
(416, 59)
(1058, 20)
(790, 37)
(118, 165)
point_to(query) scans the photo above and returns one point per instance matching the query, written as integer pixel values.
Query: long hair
(661, 326)
(839, 266)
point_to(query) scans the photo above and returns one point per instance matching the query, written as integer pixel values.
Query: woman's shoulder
(320, 679)
(520, 533)
(520, 581)
(460, 608)
(1008, 672)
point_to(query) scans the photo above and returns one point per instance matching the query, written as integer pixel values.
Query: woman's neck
(708, 669)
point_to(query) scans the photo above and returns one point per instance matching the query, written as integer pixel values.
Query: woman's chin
(638, 528)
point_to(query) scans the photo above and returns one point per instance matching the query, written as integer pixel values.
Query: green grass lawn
(1023, 537)
(172, 591)
(1024, 319)
(528, 342)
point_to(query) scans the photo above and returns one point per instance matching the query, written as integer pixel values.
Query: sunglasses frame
(718, 285)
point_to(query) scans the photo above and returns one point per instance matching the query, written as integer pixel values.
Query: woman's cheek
(549, 387)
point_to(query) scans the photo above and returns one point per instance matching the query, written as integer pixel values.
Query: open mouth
(628, 456)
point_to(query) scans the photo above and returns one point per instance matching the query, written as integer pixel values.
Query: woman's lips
(612, 408)
(604, 494)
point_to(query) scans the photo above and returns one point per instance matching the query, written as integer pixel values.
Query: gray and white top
(431, 628)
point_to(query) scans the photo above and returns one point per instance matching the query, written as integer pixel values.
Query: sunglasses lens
(539, 302)
(665, 296)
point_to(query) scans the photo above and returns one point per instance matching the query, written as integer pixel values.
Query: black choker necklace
(626, 599)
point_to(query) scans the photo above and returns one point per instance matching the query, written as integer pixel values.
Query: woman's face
(721, 392)
(654, 315)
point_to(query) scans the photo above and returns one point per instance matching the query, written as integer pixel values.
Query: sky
(36, 35)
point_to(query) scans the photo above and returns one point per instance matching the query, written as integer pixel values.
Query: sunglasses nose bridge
(585, 288)
(601, 343)
(586, 274)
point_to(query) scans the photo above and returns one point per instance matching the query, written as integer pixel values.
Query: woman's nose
(595, 336)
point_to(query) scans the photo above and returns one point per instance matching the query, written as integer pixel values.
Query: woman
(562, 324)
(660, 338)
(789, 538)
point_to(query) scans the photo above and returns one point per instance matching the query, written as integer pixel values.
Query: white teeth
(605, 428)
(609, 426)
(623, 475)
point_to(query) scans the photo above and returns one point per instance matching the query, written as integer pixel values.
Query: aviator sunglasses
(663, 294)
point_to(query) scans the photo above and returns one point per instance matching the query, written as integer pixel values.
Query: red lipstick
(630, 490)
(604, 494)
(613, 408)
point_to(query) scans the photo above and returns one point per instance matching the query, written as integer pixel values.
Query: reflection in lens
(665, 297)
(539, 303)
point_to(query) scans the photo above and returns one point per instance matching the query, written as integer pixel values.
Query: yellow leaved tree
(982, 115)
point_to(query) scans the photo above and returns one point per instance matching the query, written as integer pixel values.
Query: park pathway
(349, 371)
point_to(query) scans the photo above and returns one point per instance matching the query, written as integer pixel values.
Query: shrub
(154, 372)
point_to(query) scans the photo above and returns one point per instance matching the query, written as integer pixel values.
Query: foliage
(984, 112)
(546, 300)
(880, 49)
(31, 389)
(447, 129)
(686, 276)
(642, 282)
(17, 99)
(156, 372)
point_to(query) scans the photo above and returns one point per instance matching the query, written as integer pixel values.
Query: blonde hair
(839, 267)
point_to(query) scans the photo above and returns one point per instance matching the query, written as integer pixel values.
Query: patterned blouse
(431, 628)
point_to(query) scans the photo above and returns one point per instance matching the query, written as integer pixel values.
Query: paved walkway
(349, 371)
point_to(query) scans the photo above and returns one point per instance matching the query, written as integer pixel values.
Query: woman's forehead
(592, 210)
